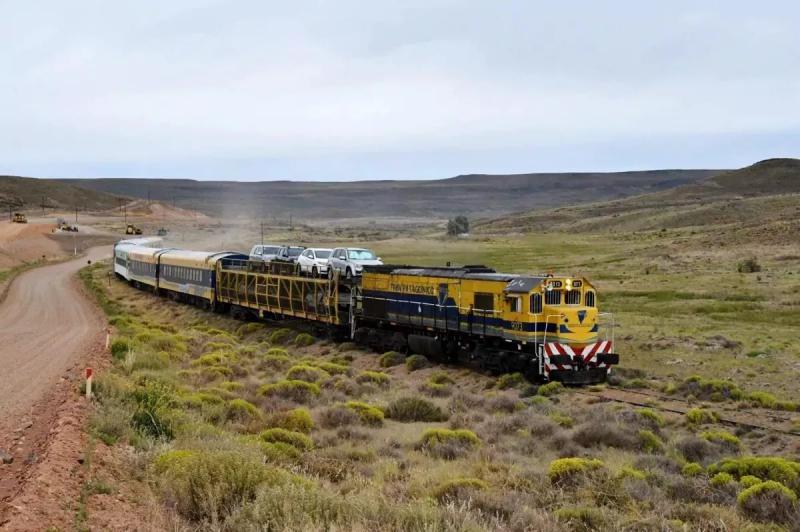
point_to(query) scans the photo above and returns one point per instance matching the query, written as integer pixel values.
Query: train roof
(515, 282)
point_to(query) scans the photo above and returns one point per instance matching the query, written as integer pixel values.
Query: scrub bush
(297, 420)
(120, 348)
(295, 439)
(768, 501)
(368, 414)
(449, 444)
(566, 470)
(241, 411)
(209, 485)
(303, 340)
(373, 377)
(692, 469)
(700, 416)
(408, 409)
(509, 380)
(415, 362)
(294, 390)
(778, 469)
(457, 488)
(721, 479)
(391, 358)
(551, 388)
(649, 442)
(279, 336)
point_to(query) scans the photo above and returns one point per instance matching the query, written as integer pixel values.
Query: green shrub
(649, 442)
(767, 400)
(298, 391)
(652, 416)
(277, 351)
(153, 400)
(161, 341)
(109, 424)
(241, 410)
(391, 358)
(120, 348)
(721, 480)
(456, 488)
(722, 437)
(778, 469)
(408, 409)
(304, 372)
(581, 518)
(279, 336)
(701, 416)
(692, 469)
(509, 380)
(368, 414)
(231, 386)
(449, 444)
(303, 340)
(632, 472)
(298, 420)
(373, 377)
(209, 485)
(551, 388)
(768, 501)
(440, 378)
(568, 469)
(415, 362)
(562, 419)
(750, 265)
(295, 439)
(716, 389)
(749, 480)
(276, 362)
(279, 452)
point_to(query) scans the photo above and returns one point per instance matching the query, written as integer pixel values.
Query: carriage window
(514, 304)
(536, 303)
(573, 297)
(552, 297)
(590, 299)
(484, 302)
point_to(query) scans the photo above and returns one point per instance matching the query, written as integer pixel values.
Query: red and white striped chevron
(588, 355)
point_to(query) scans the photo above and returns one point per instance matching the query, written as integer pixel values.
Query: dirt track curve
(45, 326)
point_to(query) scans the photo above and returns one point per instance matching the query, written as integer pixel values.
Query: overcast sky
(340, 90)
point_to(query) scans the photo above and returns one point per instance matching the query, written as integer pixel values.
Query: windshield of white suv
(360, 254)
(323, 253)
(270, 250)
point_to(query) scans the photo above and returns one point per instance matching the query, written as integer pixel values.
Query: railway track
(761, 419)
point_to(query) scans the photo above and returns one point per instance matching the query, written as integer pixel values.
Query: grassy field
(246, 426)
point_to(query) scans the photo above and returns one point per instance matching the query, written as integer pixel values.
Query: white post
(89, 376)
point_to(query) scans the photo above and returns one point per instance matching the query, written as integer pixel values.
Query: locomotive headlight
(569, 284)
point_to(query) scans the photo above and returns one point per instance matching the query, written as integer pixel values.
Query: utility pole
(43, 206)
(125, 211)
(262, 233)
(76, 215)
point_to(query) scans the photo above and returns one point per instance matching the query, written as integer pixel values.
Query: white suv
(351, 261)
(265, 252)
(314, 261)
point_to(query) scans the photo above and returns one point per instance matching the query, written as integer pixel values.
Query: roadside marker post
(108, 338)
(89, 377)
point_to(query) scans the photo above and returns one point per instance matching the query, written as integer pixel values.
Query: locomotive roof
(516, 282)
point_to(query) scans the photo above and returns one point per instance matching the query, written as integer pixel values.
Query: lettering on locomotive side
(413, 289)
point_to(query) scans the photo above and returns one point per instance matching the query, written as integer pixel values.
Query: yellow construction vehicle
(132, 230)
(19, 218)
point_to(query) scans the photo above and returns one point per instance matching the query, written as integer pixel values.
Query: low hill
(764, 194)
(475, 195)
(27, 194)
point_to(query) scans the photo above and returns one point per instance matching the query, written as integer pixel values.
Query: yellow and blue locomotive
(541, 325)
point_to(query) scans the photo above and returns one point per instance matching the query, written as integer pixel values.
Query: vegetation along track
(675, 405)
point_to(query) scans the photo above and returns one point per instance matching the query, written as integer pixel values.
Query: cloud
(356, 89)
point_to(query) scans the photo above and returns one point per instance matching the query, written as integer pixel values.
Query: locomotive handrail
(611, 315)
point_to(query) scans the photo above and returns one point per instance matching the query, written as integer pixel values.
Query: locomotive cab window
(514, 304)
(484, 302)
(552, 297)
(590, 299)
